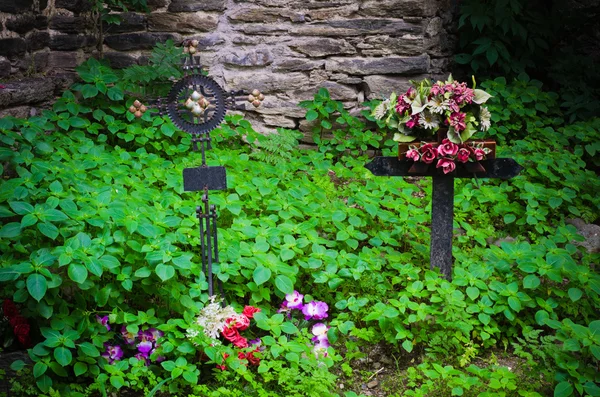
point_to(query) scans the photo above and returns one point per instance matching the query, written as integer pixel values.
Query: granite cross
(442, 205)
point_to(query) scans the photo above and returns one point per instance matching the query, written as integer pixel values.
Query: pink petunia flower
(413, 122)
(463, 155)
(447, 148)
(112, 353)
(128, 337)
(315, 310)
(413, 155)
(447, 165)
(294, 300)
(103, 321)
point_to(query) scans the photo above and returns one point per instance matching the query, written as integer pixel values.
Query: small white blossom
(212, 317)
(429, 121)
(437, 104)
(381, 109)
(485, 118)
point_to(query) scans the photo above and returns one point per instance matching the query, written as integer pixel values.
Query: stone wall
(358, 49)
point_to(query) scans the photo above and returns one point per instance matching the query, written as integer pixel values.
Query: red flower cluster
(19, 324)
(231, 332)
(447, 153)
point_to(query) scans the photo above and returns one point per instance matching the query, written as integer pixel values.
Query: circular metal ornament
(186, 89)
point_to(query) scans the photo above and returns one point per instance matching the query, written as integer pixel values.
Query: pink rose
(463, 155)
(240, 342)
(230, 333)
(428, 153)
(413, 155)
(447, 148)
(479, 154)
(413, 122)
(447, 165)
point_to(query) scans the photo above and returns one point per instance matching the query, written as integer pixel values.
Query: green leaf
(39, 369)
(407, 345)
(21, 207)
(37, 286)
(509, 218)
(473, 292)
(555, 202)
(531, 281)
(48, 230)
(191, 377)
(10, 230)
(89, 349)
(77, 273)
(284, 284)
(115, 93)
(165, 272)
(28, 220)
(63, 356)
(17, 365)
(44, 383)
(80, 368)
(89, 91)
(53, 215)
(261, 275)
(563, 389)
(480, 96)
(575, 294)
(514, 303)
(117, 381)
(311, 115)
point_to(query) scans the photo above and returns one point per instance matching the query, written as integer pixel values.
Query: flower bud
(195, 95)
(138, 114)
(132, 109)
(261, 97)
(255, 92)
(194, 43)
(256, 103)
(192, 50)
(197, 110)
(189, 103)
(251, 98)
(143, 109)
(137, 103)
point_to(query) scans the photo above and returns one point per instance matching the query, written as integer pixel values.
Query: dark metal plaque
(199, 178)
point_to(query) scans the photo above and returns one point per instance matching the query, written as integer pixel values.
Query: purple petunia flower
(321, 341)
(112, 353)
(319, 329)
(294, 300)
(103, 321)
(128, 337)
(145, 347)
(315, 310)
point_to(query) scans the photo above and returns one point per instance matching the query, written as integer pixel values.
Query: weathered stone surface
(119, 60)
(76, 6)
(12, 46)
(262, 29)
(358, 27)
(398, 8)
(196, 5)
(297, 65)
(209, 41)
(437, 42)
(320, 47)
(26, 22)
(257, 57)
(69, 42)
(385, 45)
(389, 65)
(38, 40)
(281, 104)
(156, 4)
(68, 24)
(15, 6)
(265, 15)
(265, 82)
(26, 91)
(21, 112)
(63, 60)
(345, 79)
(130, 22)
(183, 22)
(4, 67)
(279, 121)
(382, 86)
(333, 12)
(590, 233)
(35, 63)
(138, 41)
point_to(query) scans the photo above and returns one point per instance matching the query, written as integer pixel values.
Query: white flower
(437, 104)
(212, 317)
(485, 118)
(381, 109)
(429, 121)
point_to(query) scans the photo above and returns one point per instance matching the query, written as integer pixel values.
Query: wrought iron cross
(442, 201)
(197, 105)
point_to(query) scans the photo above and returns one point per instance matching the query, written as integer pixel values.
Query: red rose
(479, 154)
(16, 320)
(9, 309)
(223, 367)
(428, 153)
(447, 165)
(230, 333)
(413, 155)
(249, 311)
(241, 355)
(22, 334)
(463, 155)
(447, 148)
(240, 342)
(252, 359)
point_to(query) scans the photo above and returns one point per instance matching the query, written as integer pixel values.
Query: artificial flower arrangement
(13, 325)
(215, 321)
(447, 109)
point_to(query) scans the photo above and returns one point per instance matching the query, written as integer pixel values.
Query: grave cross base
(442, 204)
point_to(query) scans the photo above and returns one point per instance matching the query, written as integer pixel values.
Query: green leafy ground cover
(95, 222)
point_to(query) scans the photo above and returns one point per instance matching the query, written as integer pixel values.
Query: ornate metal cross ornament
(197, 104)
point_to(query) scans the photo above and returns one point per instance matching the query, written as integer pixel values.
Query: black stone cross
(442, 205)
